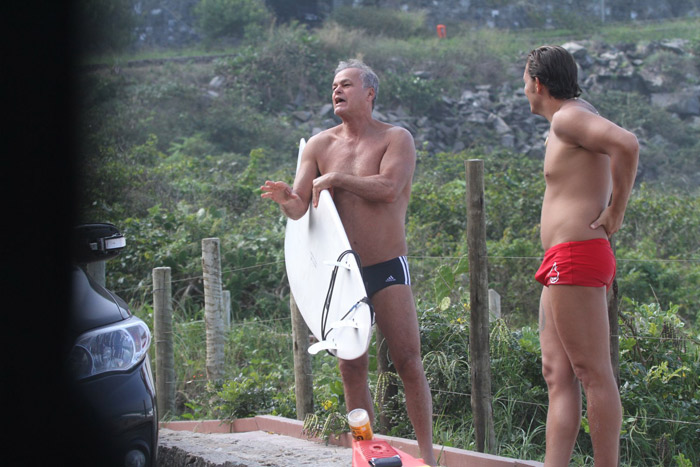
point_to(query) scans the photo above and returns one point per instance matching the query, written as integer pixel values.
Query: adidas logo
(390, 279)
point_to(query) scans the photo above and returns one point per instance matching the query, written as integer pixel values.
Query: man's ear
(538, 85)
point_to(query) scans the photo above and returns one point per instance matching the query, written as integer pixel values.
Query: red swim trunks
(590, 263)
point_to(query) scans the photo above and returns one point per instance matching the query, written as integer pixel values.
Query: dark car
(109, 360)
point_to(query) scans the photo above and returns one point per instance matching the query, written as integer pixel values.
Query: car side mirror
(96, 242)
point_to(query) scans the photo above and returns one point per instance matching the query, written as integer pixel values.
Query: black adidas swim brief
(381, 275)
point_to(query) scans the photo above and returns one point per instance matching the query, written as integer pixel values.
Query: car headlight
(117, 347)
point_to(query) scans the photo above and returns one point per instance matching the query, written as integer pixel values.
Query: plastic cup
(360, 426)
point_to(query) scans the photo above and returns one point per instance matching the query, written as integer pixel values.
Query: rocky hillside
(169, 23)
(499, 115)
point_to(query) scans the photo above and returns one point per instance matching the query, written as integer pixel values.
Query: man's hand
(292, 205)
(279, 192)
(319, 184)
(609, 220)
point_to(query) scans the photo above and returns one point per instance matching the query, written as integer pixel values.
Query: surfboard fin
(323, 345)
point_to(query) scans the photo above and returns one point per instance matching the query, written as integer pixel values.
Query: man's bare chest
(360, 160)
(574, 169)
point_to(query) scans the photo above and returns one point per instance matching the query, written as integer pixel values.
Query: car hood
(92, 305)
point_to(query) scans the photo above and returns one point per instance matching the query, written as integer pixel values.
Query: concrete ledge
(451, 457)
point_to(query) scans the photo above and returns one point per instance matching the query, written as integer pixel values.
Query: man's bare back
(578, 182)
(375, 226)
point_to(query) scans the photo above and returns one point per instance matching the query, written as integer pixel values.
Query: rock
(611, 60)
(508, 140)
(683, 103)
(674, 45)
(216, 82)
(302, 115)
(580, 54)
(423, 74)
(653, 81)
(498, 124)
(326, 111)
(379, 116)
(458, 146)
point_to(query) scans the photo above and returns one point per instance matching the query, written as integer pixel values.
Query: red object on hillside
(377, 453)
(441, 31)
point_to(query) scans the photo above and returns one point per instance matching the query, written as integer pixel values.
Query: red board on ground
(363, 452)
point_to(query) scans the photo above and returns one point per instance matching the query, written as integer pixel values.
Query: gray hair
(368, 76)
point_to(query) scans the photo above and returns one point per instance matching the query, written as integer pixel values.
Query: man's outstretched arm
(294, 202)
(291, 203)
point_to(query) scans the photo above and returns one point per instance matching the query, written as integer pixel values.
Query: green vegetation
(222, 18)
(381, 22)
(174, 151)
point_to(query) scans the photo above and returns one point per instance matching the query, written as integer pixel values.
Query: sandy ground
(249, 449)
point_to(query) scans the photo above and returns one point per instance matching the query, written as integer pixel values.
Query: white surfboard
(326, 280)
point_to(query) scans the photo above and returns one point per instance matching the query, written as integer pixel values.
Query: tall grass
(660, 383)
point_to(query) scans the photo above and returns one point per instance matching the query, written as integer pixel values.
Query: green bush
(657, 249)
(418, 95)
(287, 64)
(254, 391)
(659, 368)
(229, 18)
(381, 21)
(436, 218)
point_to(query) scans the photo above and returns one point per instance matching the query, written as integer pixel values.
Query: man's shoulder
(327, 133)
(396, 131)
(572, 111)
(323, 137)
(570, 119)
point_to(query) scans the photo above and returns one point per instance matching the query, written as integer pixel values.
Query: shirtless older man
(589, 168)
(368, 167)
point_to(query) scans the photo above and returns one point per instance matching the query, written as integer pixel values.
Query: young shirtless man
(589, 167)
(368, 167)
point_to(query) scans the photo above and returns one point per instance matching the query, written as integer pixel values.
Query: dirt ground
(249, 449)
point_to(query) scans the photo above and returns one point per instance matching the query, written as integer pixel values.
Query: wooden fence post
(227, 309)
(163, 337)
(303, 379)
(213, 308)
(479, 302)
(494, 305)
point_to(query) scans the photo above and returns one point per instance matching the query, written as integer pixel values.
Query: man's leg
(581, 321)
(354, 374)
(564, 412)
(397, 319)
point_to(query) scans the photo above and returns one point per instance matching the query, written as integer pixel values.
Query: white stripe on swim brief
(406, 273)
